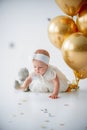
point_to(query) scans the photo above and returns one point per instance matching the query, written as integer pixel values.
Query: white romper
(44, 83)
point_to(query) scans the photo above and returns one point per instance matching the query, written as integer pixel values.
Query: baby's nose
(37, 70)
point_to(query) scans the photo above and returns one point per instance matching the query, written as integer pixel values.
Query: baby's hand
(53, 96)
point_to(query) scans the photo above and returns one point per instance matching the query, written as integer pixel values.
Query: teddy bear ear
(23, 74)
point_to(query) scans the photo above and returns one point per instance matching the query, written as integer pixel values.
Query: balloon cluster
(70, 36)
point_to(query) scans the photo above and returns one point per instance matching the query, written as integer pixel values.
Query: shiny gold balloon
(81, 20)
(59, 28)
(82, 73)
(70, 7)
(74, 51)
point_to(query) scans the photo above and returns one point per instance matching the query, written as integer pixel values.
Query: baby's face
(39, 67)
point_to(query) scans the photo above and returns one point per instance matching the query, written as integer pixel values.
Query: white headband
(42, 58)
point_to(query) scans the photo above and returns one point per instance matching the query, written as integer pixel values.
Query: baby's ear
(23, 74)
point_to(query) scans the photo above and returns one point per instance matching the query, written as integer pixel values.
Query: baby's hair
(42, 51)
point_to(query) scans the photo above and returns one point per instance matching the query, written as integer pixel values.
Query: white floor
(19, 22)
(31, 111)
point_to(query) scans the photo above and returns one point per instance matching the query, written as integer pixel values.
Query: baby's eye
(40, 67)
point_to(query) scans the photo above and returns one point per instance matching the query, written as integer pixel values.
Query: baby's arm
(56, 88)
(26, 83)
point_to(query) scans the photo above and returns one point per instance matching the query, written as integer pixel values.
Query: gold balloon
(70, 7)
(59, 28)
(81, 20)
(74, 51)
(82, 73)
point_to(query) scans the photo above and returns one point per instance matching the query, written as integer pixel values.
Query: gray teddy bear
(22, 75)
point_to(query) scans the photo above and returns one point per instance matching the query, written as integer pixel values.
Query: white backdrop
(23, 29)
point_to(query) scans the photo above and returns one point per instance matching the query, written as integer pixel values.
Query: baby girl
(45, 77)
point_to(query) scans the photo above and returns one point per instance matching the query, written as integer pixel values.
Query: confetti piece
(11, 45)
(14, 115)
(43, 126)
(44, 110)
(86, 127)
(51, 115)
(24, 100)
(49, 19)
(19, 103)
(61, 124)
(46, 120)
(66, 104)
(21, 113)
